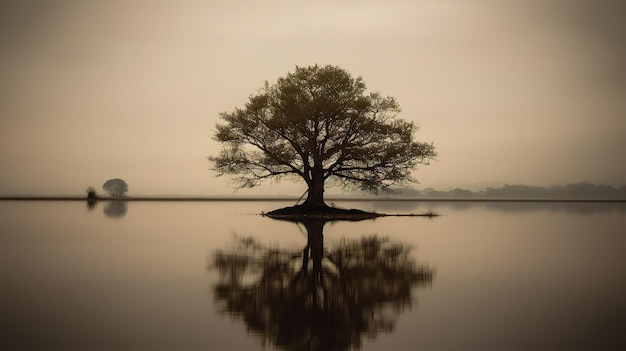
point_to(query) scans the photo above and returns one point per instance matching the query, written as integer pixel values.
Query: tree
(115, 187)
(318, 124)
(91, 193)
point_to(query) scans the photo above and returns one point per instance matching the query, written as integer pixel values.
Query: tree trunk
(315, 196)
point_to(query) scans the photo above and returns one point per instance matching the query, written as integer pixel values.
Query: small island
(307, 212)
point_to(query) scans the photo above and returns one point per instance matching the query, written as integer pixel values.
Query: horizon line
(269, 198)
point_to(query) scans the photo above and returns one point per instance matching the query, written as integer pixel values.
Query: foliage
(115, 187)
(318, 124)
(91, 192)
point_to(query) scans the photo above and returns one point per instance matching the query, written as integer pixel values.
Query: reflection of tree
(115, 209)
(357, 288)
(91, 204)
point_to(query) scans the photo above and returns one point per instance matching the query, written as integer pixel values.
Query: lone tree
(320, 125)
(115, 187)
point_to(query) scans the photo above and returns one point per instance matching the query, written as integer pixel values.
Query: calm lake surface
(218, 276)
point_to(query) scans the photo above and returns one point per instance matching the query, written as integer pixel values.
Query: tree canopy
(115, 187)
(320, 125)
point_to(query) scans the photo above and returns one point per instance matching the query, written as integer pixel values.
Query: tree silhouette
(358, 288)
(92, 197)
(318, 124)
(115, 187)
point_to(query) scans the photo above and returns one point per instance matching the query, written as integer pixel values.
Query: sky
(518, 91)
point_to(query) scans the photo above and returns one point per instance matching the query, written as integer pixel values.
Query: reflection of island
(115, 209)
(357, 288)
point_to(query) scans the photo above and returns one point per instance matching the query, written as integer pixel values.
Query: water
(146, 276)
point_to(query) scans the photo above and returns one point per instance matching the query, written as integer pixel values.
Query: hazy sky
(516, 91)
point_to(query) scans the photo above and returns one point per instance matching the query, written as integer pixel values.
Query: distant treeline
(582, 190)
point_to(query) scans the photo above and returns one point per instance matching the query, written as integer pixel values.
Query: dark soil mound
(303, 212)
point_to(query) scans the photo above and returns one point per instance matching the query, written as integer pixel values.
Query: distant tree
(318, 124)
(458, 192)
(92, 197)
(91, 193)
(115, 187)
(409, 191)
(430, 192)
